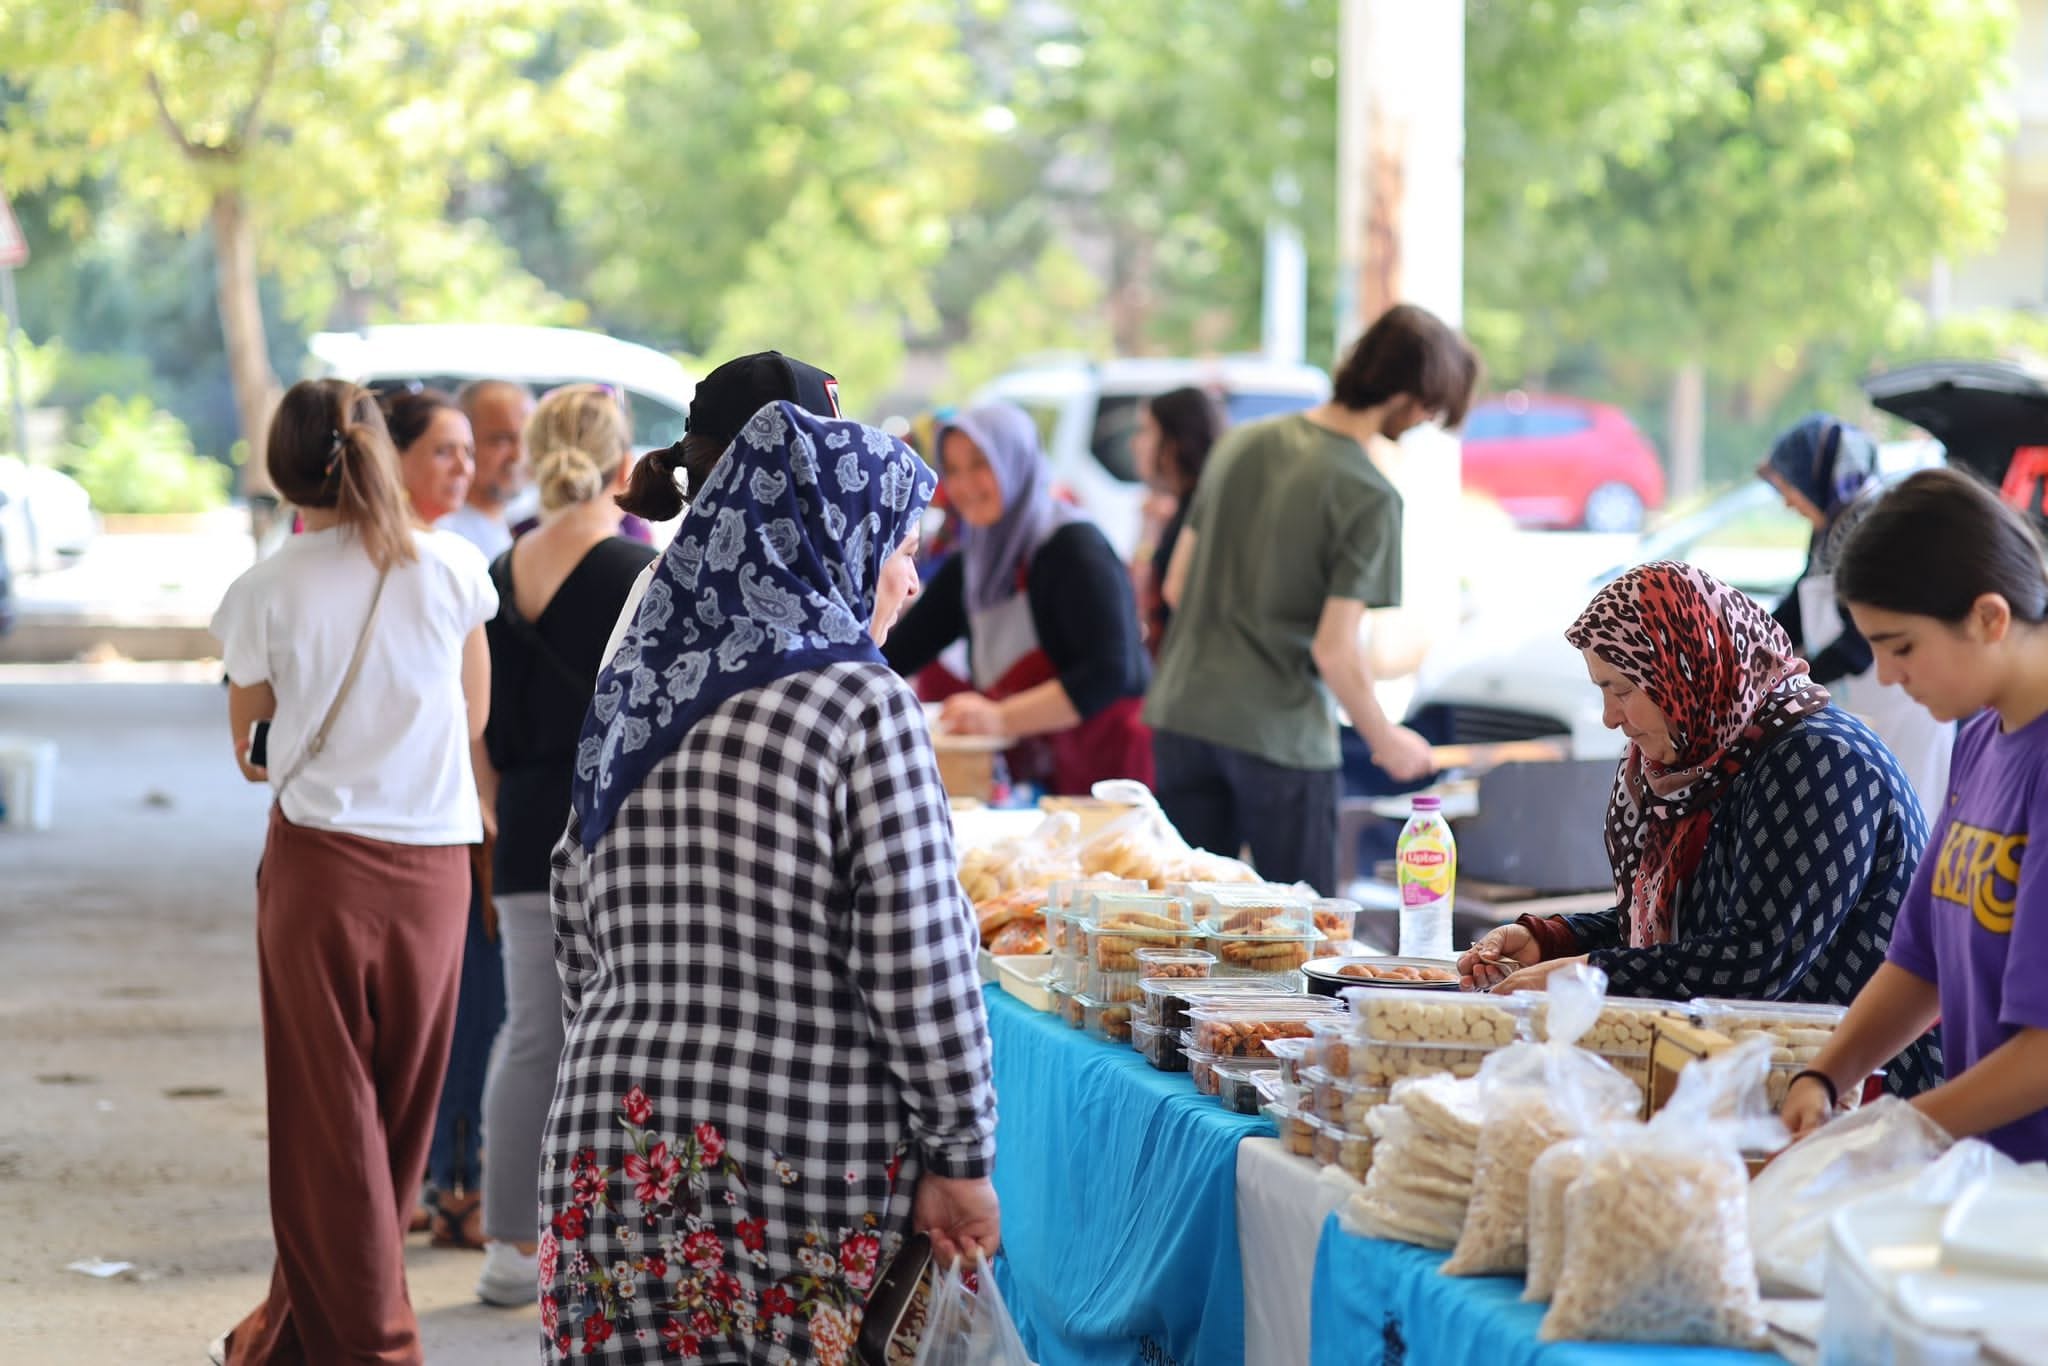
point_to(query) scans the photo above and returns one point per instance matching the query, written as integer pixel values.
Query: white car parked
(1087, 410)
(1509, 673)
(656, 387)
(46, 516)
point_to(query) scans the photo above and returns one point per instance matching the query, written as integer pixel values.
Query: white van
(656, 387)
(1087, 410)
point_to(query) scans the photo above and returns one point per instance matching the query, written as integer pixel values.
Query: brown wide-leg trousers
(360, 948)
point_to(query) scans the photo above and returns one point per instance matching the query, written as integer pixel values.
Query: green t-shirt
(1287, 516)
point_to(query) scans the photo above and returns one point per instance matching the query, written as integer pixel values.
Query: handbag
(318, 741)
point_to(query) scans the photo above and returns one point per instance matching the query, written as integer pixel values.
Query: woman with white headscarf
(1054, 645)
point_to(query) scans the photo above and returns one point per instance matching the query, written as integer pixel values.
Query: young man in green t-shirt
(1293, 536)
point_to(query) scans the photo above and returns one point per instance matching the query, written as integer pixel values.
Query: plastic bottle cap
(1429, 803)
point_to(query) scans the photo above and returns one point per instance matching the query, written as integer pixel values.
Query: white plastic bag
(1535, 1095)
(1885, 1146)
(970, 1325)
(1656, 1229)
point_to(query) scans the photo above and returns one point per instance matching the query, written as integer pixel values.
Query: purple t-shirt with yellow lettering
(1976, 920)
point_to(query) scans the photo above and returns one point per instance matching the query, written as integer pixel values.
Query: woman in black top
(1057, 658)
(1171, 444)
(559, 588)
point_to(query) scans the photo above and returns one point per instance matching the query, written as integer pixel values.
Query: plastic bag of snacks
(1033, 862)
(1144, 845)
(1423, 1161)
(1535, 1095)
(969, 1325)
(1549, 1179)
(1887, 1146)
(1656, 1228)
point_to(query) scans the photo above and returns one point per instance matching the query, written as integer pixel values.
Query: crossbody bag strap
(318, 741)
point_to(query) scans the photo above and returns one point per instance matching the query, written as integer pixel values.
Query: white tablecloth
(1282, 1201)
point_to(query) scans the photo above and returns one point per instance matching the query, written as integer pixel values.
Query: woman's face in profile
(896, 589)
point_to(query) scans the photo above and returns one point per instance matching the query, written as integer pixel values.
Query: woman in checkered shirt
(777, 1061)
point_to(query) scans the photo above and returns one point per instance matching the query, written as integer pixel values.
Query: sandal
(458, 1221)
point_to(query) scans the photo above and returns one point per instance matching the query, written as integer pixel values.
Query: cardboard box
(967, 770)
(1676, 1045)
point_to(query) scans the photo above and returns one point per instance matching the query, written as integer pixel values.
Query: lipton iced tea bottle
(1426, 868)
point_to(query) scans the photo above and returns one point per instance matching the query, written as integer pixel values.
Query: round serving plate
(1325, 976)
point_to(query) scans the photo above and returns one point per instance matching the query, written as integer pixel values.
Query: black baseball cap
(741, 387)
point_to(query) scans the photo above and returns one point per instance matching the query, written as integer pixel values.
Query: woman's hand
(1806, 1106)
(960, 1216)
(1510, 944)
(969, 713)
(1535, 977)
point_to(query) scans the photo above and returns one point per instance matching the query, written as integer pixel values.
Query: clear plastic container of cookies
(1336, 918)
(1104, 985)
(1176, 964)
(1109, 1021)
(1622, 1034)
(1336, 1099)
(1278, 912)
(1212, 1072)
(1237, 1086)
(1297, 1131)
(1411, 1015)
(1797, 1030)
(1238, 1030)
(1262, 955)
(1069, 1004)
(1341, 1048)
(1160, 1047)
(1336, 1146)
(1119, 923)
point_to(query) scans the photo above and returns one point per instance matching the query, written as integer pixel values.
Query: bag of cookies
(1534, 1095)
(1656, 1227)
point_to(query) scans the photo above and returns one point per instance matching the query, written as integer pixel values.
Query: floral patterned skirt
(715, 1236)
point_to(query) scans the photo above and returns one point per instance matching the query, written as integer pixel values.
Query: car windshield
(1116, 418)
(1747, 538)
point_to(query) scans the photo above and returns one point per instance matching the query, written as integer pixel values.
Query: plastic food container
(1798, 1031)
(1175, 964)
(1622, 1033)
(1370, 1062)
(1413, 1016)
(1105, 985)
(1878, 1250)
(1336, 1099)
(1125, 922)
(1291, 1053)
(1071, 1005)
(1237, 1086)
(1297, 1131)
(1160, 1047)
(1262, 955)
(1164, 1003)
(1207, 1070)
(1336, 1146)
(1258, 912)
(1242, 1031)
(1109, 1021)
(1336, 918)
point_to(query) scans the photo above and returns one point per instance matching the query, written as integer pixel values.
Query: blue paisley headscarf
(1826, 460)
(772, 572)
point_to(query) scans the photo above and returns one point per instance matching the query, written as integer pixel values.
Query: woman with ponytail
(358, 651)
(559, 588)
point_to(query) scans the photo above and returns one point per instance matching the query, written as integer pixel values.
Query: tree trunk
(1688, 429)
(241, 321)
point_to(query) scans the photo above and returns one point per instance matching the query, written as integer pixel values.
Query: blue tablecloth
(1119, 1191)
(1379, 1303)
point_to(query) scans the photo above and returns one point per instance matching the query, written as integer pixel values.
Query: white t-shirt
(631, 609)
(491, 535)
(396, 766)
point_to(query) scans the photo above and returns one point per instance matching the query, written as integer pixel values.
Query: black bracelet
(1834, 1096)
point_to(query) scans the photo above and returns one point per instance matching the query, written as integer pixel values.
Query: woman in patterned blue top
(1762, 839)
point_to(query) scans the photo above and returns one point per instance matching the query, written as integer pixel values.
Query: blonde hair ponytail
(577, 438)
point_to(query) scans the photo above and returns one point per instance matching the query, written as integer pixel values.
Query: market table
(1119, 1192)
(1376, 1302)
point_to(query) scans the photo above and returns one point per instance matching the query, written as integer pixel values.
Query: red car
(1561, 462)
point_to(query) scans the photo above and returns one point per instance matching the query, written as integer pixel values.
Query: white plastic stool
(28, 782)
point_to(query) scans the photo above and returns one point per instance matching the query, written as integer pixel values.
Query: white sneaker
(510, 1278)
(217, 1350)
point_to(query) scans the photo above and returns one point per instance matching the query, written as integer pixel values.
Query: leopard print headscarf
(1725, 677)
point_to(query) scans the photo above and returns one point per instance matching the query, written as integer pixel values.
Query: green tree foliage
(781, 170)
(133, 457)
(1055, 306)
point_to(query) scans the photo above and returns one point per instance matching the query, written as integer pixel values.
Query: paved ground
(130, 1058)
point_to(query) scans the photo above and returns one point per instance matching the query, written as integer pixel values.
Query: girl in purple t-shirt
(1949, 587)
